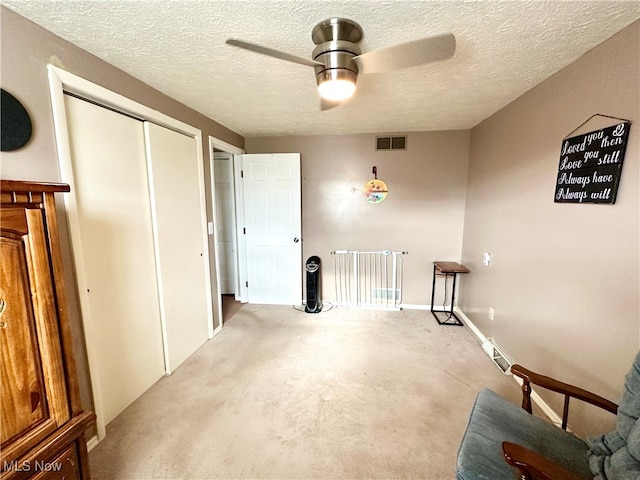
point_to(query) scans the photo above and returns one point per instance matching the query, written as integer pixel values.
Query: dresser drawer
(63, 467)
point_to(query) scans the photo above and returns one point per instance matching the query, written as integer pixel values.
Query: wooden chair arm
(530, 463)
(529, 377)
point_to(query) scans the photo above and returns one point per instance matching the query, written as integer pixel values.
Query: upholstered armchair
(504, 441)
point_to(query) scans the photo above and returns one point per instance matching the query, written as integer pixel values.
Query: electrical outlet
(491, 313)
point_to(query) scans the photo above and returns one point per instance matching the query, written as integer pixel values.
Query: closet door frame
(61, 81)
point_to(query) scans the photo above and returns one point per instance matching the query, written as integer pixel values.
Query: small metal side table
(446, 269)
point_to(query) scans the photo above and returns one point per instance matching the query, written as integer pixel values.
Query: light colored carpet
(280, 394)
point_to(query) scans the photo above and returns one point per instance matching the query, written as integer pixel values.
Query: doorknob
(296, 240)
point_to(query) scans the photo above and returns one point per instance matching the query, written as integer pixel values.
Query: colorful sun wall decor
(375, 190)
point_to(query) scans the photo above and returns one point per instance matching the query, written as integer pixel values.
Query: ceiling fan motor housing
(337, 59)
(336, 40)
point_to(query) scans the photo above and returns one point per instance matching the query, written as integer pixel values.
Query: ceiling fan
(337, 59)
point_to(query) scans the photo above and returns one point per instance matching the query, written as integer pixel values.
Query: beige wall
(564, 277)
(26, 51)
(423, 213)
(564, 280)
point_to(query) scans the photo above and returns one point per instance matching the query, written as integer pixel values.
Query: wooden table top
(450, 267)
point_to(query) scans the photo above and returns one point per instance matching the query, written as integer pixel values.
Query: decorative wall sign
(375, 190)
(591, 164)
(15, 124)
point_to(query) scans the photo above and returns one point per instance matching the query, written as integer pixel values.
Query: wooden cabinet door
(33, 400)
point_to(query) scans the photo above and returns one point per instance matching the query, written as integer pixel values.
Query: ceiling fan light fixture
(337, 59)
(336, 85)
(337, 90)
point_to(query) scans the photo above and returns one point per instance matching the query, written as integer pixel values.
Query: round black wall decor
(15, 124)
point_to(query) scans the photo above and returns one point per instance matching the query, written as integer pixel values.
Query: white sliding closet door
(181, 241)
(114, 254)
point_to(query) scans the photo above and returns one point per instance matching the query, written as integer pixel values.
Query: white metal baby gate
(368, 279)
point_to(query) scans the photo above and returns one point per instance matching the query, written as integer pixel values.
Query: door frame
(228, 157)
(61, 81)
(239, 209)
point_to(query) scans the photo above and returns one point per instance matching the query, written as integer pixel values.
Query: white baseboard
(403, 306)
(535, 398)
(409, 306)
(92, 443)
(413, 306)
(476, 331)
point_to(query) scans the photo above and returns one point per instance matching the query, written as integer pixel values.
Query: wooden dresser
(42, 424)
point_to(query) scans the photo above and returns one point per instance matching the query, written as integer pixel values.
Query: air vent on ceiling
(391, 143)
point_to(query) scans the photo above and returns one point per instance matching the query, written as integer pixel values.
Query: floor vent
(383, 295)
(497, 356)
(391, 143)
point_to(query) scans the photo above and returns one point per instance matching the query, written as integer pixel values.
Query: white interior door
(114, 254)
(225, 215)
(272, 207)
(178, 206)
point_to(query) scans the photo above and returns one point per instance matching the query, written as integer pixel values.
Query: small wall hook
(375, 172)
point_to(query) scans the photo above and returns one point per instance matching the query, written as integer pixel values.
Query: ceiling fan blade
(327, 104)
(411, 54)
(272, 53)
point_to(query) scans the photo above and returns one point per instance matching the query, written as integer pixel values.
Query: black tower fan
(314, 304)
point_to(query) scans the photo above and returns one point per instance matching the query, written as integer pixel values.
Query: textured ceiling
(504, 48)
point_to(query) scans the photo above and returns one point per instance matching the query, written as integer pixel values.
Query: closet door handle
(296, 240)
